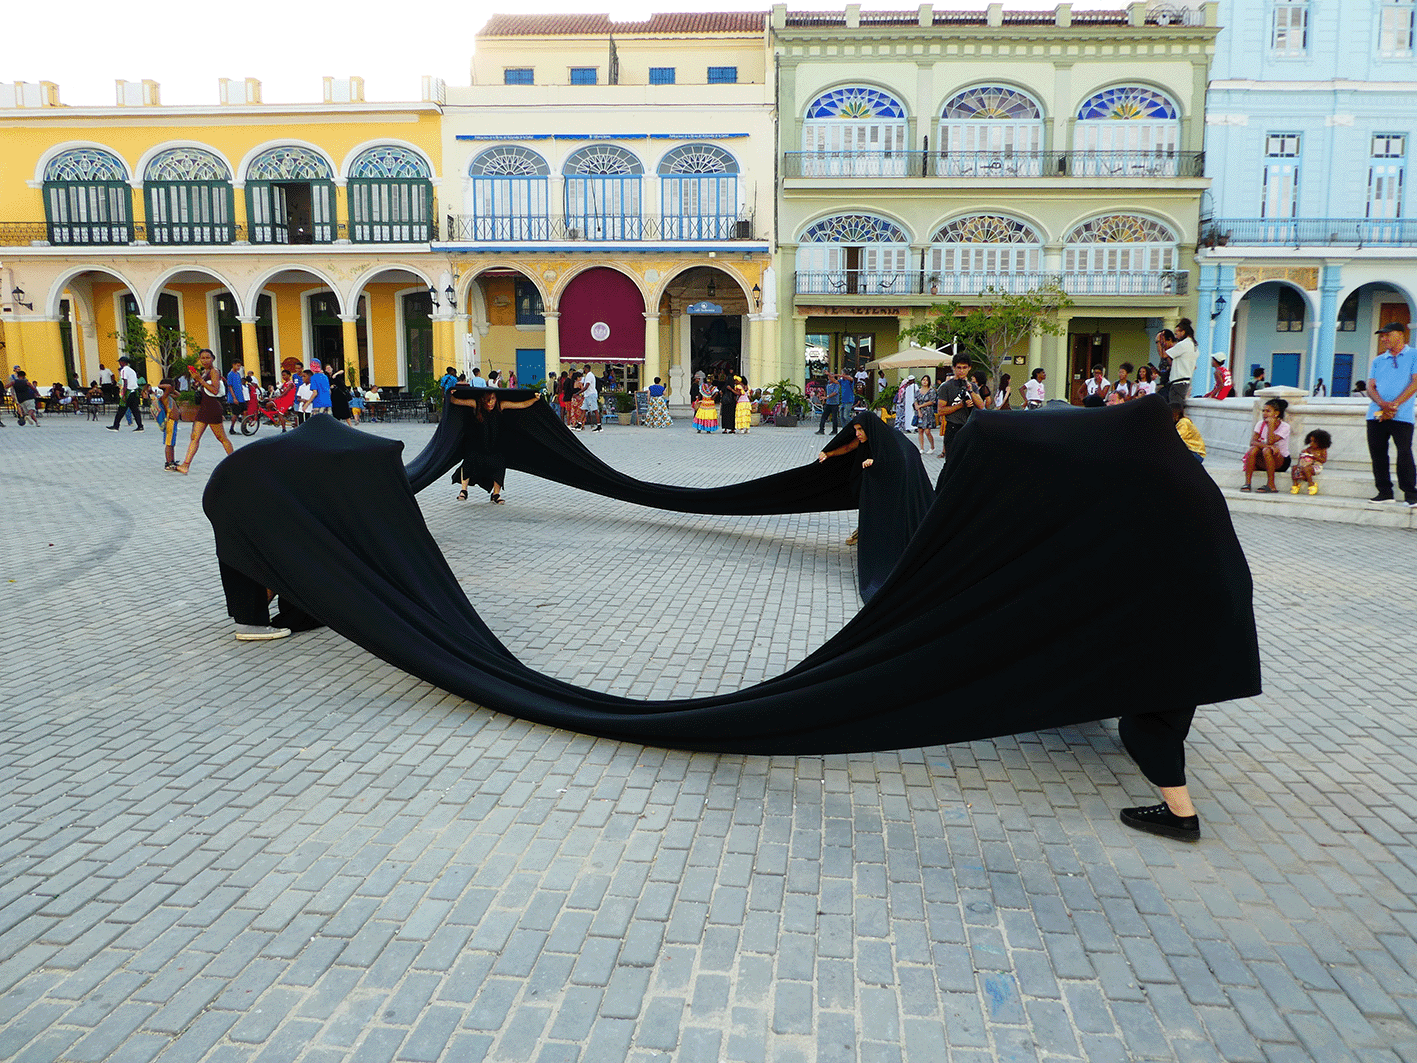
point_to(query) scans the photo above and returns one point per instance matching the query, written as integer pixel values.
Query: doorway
(1284, 369)
(1342, 383)
(531, 365)
(326, 331)
(1087, 350)
(715, 345)
(418, 340)
(293, 210)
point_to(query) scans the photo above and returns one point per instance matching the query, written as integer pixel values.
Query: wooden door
(1085, 354)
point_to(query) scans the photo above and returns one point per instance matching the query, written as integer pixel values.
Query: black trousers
(247, 602)
(1400, 434)
(832, 410)
(1157, 742)
(131, 404)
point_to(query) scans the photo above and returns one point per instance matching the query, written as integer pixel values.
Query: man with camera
(959, 397)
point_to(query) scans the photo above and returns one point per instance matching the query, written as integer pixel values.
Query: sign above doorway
(704, 307)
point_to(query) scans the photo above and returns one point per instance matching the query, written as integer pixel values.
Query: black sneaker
(1159, 819)
(1378, 500)
(139, 429)
(110, 428)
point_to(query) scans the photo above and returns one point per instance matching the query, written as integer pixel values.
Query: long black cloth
(1027, 504)
(893, 495)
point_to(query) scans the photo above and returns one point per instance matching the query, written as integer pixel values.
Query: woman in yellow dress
(706, 412)
(743, 409)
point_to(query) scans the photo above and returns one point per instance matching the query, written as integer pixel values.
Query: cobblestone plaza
(222, 851)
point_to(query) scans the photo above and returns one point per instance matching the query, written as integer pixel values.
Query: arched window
(984, 251)
(603, 194)
(991, 131)
(509, 194)
(698, 193)
(390, 196)
(87, 199)
(189, 197)
(853, 254)
(1128, 131)
(1121, 254)
(290, 197)
(854, 131)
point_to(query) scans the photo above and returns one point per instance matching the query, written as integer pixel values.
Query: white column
(553, 340)
(652, 368)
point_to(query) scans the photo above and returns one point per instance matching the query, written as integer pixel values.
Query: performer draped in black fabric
(482, 460)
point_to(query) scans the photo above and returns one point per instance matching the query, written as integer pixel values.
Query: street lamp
(433, 295)
(758, 296)
(18, 295)
(452, 295)
(1219, 307)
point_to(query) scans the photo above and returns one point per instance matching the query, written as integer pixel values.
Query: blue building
(1309, 243)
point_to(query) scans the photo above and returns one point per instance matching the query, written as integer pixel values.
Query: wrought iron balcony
(991, 164)
(534, 228)
(863, 282)
(1310, 232)
(193, 234)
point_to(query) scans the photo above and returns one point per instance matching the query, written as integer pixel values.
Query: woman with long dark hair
(482, 461)
(210, 387)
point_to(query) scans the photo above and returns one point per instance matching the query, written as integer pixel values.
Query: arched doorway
(393, 330)
(195, 305)
(707, 310)
(297, 319)
(1270, 332)
(1361, 313)
(507, 315)
(602, 321)
(97, 305)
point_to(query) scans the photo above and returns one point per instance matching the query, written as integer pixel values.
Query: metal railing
(992, 164)
(531, 228)
(886, 283)
(1311, 232)
(168, 234)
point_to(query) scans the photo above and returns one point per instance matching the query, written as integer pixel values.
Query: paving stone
(361, 867)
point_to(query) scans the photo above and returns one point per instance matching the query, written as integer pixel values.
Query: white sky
(85, 45)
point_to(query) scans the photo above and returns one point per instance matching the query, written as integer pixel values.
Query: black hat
(1396, 326)
(124, 358)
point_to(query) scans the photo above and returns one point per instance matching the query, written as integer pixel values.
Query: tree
(168, 347)
(989, 331)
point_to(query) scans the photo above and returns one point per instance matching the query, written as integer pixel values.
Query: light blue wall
(1336, 116)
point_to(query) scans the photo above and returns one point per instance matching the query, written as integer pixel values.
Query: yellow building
(609, 197)
(270, 233)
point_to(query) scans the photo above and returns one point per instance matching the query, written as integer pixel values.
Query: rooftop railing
(849, 282)
(534, 228)
(209, 234)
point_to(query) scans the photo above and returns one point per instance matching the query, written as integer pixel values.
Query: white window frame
(1289, 29)
(1397, 27)
(1279, 190)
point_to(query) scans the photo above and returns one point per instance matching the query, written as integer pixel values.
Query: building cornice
(1332, 85)
(261, 113)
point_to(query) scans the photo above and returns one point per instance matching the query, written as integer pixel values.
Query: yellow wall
(24, 141)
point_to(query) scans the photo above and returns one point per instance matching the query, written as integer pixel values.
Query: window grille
(661, 75)
(521, 75)
(723, 75)
(583, 75)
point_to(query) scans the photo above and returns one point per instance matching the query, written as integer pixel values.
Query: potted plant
(786, 394)
(934, 285)
(883, 403)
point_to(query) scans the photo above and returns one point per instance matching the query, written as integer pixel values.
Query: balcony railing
(885, 283)
(989, 164)
(25, 233)
(1311, 232)
(533, 228)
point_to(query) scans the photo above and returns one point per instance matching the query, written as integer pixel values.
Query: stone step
(1321, 507)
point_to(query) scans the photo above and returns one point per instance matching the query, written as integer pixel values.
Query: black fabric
(892, 500)
(1157, 742)
(1025, 506)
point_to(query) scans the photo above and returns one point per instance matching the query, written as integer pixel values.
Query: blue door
(1284, 369)
(1342, 383)
(531, 365)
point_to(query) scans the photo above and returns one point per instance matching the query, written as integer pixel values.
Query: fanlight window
(186, 164)
(509, 194)
(699, 193)
(86, 198)
(984, 250)
(85, 164)
(853, 254)
(855, 131)
(390, 161)
(984, 128)
(1126, 131)
(1123, 252)
(603, 194)
(289, 163)
(189, 197)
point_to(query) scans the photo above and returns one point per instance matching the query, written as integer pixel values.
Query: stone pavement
(220, 851)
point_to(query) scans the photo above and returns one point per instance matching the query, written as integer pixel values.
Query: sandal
(462, 495)
(1264, 490)
(1247, 487)
(497, 499)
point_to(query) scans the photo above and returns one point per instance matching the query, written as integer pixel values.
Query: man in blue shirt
(831, 407)
(320, 384)
(848, 395)
(1392, 383)
(236, 392)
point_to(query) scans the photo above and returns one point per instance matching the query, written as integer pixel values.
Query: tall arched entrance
(1270, 331)
(1363, 311)
(603, 322)
(388, 330)
(507, 318)
(94, 309)
(708, 311)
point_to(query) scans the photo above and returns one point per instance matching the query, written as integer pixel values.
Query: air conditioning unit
(743, 229)
(573, 234)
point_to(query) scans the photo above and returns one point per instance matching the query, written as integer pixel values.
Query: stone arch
(467, 282)
(166, 276)
(239, 174)
(559, 288)
(359, 149)
(721, 266)
(356, 289)
(253, 290)
(56, 290)
(48, 156)
(140, 169)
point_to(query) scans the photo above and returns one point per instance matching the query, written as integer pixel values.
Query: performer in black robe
(727, 404)
(339, 396)
(482, 459)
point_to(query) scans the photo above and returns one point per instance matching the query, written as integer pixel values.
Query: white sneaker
(256, 633)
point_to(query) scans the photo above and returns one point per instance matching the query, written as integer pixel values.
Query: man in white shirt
(1183, 356)
(1033, 392)
(106, 384)
(128, 394)
(590, 398)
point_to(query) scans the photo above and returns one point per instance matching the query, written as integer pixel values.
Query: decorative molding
(1306, 277)
(510, 137)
